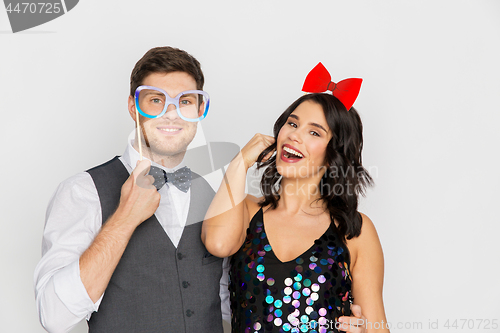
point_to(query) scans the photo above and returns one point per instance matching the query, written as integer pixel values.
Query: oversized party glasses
(191, 105)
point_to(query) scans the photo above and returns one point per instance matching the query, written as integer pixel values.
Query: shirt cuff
(70, 289)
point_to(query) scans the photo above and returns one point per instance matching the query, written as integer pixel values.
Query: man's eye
(185, 102)
(156, 100)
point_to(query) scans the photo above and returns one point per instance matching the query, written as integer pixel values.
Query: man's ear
(131, 107)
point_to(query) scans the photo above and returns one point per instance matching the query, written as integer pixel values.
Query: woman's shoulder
(253, 204)
(366, 242)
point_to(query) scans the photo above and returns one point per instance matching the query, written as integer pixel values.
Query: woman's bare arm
(227, 219)
(367, 272)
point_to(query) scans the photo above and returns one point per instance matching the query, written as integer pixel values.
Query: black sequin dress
(307, 294)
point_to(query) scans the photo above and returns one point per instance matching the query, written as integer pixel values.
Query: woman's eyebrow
(312, 124)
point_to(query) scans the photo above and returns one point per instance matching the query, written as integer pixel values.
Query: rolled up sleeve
(73, 220)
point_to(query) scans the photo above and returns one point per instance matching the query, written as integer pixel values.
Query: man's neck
(167, 161)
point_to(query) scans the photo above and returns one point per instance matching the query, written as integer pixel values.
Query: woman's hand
(354, 324)
(254, 147)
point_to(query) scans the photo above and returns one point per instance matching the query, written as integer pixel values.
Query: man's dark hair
(165, 59)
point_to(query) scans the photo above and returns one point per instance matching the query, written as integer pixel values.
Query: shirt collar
(131, 156)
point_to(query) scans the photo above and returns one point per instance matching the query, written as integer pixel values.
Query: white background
(430, 104)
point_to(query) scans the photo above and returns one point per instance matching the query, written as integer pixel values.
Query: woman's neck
(300, 195)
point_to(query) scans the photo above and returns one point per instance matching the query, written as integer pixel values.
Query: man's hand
(139, 198)
(354, 324)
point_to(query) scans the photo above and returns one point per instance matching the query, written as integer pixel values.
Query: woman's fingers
(254, 147)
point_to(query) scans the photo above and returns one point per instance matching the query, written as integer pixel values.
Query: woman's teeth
(292, 152)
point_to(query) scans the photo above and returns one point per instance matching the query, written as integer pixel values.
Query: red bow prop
(319, 80)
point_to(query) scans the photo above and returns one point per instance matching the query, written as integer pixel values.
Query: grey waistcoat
(157, 287)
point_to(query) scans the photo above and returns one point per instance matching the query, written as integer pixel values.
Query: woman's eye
(314, 133)
(292, 124)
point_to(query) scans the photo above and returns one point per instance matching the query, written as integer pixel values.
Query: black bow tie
(181, 178)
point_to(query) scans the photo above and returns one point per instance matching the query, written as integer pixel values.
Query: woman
(302, 252)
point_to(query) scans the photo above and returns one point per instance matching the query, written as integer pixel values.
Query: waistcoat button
(179, 256)
(189, 313)
(185, 284)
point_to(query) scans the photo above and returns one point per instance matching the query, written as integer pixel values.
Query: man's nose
(171, 112)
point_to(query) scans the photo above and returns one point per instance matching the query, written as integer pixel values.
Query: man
(121, 248)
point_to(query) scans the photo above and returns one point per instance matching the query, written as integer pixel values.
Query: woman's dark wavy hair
(344, 168)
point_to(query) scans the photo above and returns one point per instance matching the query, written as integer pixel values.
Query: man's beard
(157, 148)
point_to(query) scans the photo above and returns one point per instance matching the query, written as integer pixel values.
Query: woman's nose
(295, 136)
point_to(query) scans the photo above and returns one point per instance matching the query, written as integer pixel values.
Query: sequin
(292, 296)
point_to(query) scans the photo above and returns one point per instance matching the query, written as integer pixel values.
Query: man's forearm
(138, 201)
(99, 261)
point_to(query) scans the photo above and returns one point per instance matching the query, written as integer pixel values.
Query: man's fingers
(352, 324)
(142, 168)
(356, 310)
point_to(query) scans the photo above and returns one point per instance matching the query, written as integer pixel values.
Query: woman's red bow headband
(319, 80)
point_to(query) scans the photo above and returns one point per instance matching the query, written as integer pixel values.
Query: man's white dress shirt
(72, 221)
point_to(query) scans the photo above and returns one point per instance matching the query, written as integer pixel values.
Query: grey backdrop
(429, 103)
